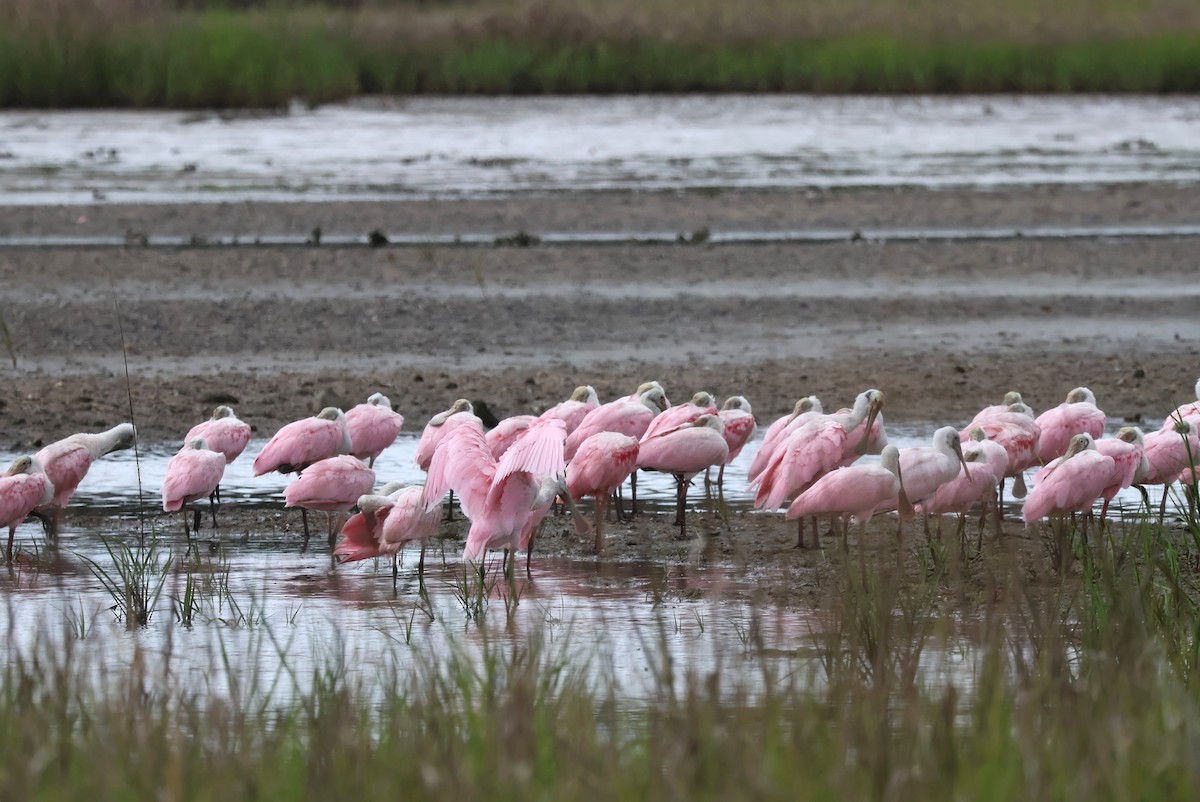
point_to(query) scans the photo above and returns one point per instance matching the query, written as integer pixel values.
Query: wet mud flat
(942, 327)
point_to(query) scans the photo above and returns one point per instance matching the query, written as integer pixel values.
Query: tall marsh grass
(1084, 687)
(155, 53)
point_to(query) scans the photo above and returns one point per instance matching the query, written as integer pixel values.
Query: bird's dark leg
(195, 517)
(421, 562)
(633, 492)
(395, 569)
(186, 533)
(12, 530)
(601, 511)
(332, 530)
(212, 508)
(799, 533)
(304, 518)
(529, 557)
(450, 507)
(681, 499)
(721, 480)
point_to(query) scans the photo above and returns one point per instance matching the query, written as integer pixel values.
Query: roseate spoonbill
(1172, 454)
(507, 432)
(701, 403)
(193, 474)
(499, 497)
(600, 465)
(373, 427)
(739, 428)
(224, 433)
(461, 412)
(685, 451)
(23, 487)
(806, 409)
(817, 447)
(1017, 433)
(572, 411)
(926, 468)
(855, 491)
(988, 463)
(1128, 451)
(643, 388)
(1190, 409)
(626, 417)
(1010, 398)
(1077, 415)
(1072, 485)
(67, 461)
(301, 443)
(331, 486)
(385, 524)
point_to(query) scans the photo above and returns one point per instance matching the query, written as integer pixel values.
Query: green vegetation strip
(231, 59)
(1083, 684)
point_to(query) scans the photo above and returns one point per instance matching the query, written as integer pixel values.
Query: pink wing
(601, 464)
(686, 451)
(19, 494)
(408, 520)
(331, 485)
(809, 452)
(1060, 424)
(571, 413)
(372, 429)
(630, 418)
(191, 474)
(508, 432)
(432, 436)
(1072, 487)
(539, 453)
(858, 489)
(462, 463)
(229, 436)
(300, 443)
(739, 428)
(66, 463)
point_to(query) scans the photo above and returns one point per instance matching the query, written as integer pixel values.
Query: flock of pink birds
(508, 479)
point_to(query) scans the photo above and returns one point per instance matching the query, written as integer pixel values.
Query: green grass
(1086, 688)
(265, 57)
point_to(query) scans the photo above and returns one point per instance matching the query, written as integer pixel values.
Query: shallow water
(456, 147)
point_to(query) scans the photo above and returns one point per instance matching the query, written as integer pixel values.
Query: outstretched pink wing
(463, 463)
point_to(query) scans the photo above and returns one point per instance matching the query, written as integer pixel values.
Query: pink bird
(1010, 398)
(502, 498)
(988, 463)
(385, 524)
(1171, 455)
(1073, 485)
(67, 461)
(1128, 452)
(806, 409)
(600, 465)
(1189, 409)
(304, 442)
(701, 403)
(23, 487)
(740, 426)
(330, 485)
(223, 433)
(572, 411)
(373, 427)
(1015, 430)
(685, 451)
(1077, 415)
(856, 491)
(192, 474)
(631, 418)
(927, 468)
(507, 432)
(819, 446)
(439, 426)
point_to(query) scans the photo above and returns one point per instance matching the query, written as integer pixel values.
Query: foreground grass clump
(154, 53)
(1088, 688)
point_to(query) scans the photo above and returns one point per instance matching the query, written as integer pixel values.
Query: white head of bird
(1132, 434)
(1021, 409)
(222, 412)
(867, 405)
(20, 465)
(1079, 443)
(198, 444)
(703, 399)
(946, 441)
(736, 402)
(1080, 395)
(28, 464)
(586, 394)
(1012, 397)
(335, 414)
(460, 405)
(977, 435)
(810, 403)
(654, 398)
(379, 400)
